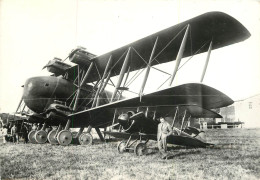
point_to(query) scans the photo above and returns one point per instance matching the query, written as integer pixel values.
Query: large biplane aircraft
(77, 96)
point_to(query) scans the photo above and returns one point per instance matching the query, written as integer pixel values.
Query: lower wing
(187, 94)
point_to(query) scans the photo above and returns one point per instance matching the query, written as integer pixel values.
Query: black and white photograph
(130, 89)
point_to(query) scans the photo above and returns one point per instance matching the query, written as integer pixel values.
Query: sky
(32, 32)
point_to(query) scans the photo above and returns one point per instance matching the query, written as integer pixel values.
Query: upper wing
(219, 27)
(186, 94)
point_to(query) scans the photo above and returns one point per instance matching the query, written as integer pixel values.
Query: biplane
(77, 96)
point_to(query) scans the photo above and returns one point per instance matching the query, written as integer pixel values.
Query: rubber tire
(121, 147)
(51, 137)
(140, 149)
(31, 136)
(64, 137)
(85, 139)
(41, 136)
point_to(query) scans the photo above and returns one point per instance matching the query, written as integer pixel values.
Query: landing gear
(85, 139)
(41, 136)
(64, 137)
(31, 136)
(100, 134)
(51, 137)
(121, 147)
(74, 138)
(139, 148)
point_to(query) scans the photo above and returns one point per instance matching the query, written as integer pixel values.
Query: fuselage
(40, 92)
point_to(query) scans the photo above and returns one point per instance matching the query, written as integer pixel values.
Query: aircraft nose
(31, 86)
(123, 120)
(28, 87)
(36, 93)
(39, 86)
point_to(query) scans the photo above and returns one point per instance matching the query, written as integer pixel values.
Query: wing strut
(19, 105)
(147, 70)
(206, 63)
(124, 87)
(81, 84)
(179, 55)
(183, 119)
(187, 124)
(177, 109)
(106, 82)
(101, 81)
(121, 76)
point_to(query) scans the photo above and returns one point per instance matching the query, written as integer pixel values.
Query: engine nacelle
(133, 122)
(125, 121)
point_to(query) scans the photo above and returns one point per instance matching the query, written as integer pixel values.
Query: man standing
(25, 133)
(164, 130)
(4, 134)
(14, 134)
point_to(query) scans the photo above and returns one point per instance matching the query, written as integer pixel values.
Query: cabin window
(250, 105)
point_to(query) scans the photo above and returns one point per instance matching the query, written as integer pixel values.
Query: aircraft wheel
(140, 149)
(121, 147)
(41, 136)
(31, 136)
(64, 137)
(51, 137)
(85, 139)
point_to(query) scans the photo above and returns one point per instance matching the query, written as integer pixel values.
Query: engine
(126, 120)
(132, 122)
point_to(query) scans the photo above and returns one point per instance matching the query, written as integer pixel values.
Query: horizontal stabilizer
(172, 139)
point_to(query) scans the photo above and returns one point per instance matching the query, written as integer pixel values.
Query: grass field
(235, 156)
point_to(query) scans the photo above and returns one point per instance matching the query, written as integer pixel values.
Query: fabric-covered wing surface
(193, 110)
(186, 94)
(219, 27)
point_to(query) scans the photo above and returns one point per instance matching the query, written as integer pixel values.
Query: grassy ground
(236, 156)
